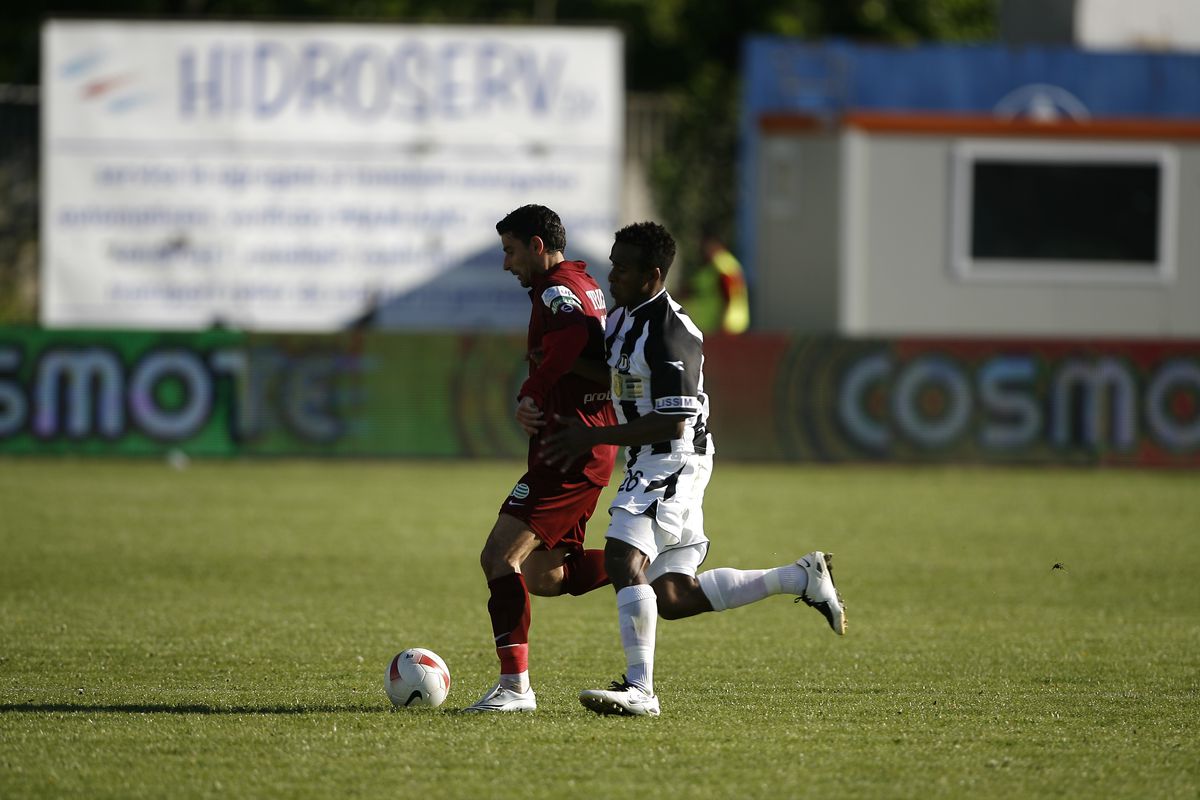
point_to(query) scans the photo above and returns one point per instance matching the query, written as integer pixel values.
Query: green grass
(223, 631)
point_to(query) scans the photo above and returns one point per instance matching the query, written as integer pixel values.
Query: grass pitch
(223, 630)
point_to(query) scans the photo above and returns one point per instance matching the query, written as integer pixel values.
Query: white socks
(728, 588)
(725, 588)
(637, 615)
(517, 683)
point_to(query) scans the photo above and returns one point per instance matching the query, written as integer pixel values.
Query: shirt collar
(640, 306)
(540, 281)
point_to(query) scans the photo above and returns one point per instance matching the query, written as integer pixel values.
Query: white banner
(292, 177)
(1155, 25)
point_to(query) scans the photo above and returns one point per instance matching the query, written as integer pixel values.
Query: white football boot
(820, 593)
(621, 698)
(500, 699)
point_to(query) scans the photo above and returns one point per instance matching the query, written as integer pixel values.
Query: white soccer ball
(417, 677)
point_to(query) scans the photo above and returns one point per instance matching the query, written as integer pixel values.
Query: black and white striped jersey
(656, 355)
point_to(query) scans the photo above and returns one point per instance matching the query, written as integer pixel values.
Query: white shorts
(659, 509)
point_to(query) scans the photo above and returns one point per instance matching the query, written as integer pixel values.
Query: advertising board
(289, 177)
(774, 398)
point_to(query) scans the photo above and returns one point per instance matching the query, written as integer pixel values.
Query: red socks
(509, 606)
(509, 610)
(583, 572)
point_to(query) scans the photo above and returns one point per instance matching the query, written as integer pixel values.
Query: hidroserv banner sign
(291, 177)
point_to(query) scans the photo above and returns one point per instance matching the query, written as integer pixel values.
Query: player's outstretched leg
(584, 572)
(551, 573)
(820, 593)
(809, 578)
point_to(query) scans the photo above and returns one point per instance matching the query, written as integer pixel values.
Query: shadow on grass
(166, 708)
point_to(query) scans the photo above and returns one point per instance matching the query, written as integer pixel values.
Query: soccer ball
(417, 677)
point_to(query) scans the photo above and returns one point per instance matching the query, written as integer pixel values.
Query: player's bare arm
(574, 439)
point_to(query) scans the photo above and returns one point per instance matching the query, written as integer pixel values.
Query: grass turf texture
(223, 630)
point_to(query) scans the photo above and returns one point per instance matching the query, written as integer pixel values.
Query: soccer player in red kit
(536, 545)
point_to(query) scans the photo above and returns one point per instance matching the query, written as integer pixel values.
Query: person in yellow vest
(714, 293)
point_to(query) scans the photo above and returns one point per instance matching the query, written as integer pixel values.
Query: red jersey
(565, 323)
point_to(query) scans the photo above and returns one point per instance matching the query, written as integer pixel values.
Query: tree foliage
(670, 42)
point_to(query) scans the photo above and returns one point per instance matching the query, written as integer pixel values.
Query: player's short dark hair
(656, 245)
(527, 222)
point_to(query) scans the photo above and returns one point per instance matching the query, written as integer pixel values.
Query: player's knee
(622, 562)
(668, 600)
(679, 597)
(494, 560)
(670, 609)
(487, 555)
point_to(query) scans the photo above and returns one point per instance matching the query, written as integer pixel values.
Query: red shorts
(556, 511)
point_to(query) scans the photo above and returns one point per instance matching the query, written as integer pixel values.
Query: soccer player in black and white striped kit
(655, 541)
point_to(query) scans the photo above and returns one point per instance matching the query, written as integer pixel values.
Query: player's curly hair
(655, 243)
(529, 221)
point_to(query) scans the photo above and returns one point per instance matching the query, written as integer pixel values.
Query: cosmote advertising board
(774, 398)
(290, 177)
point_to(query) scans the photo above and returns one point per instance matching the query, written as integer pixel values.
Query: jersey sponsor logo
(520, 491)
(627, 387)
(676, 364)
(596, 397)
